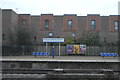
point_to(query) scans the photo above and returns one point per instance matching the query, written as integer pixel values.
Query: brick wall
(74, 22)
(58, 25)
(26, 17)
(112, 19)
(44, 17)
(97, 24)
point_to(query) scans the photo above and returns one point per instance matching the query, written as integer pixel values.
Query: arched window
(93, 24)
(69, 24)
(116, 25)
(46, 25)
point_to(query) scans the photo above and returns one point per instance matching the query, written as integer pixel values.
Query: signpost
(53, 40)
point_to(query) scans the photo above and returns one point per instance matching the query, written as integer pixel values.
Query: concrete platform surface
(61, 58)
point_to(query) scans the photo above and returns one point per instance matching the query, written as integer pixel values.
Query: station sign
(53, 40)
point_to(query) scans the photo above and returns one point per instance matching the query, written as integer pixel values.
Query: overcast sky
(60, 7)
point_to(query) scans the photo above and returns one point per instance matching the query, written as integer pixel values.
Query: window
(50, 34)
(69, 24)
(46, 24)
(93, 24)
(24, 23)
(3, 36)
(116, 25)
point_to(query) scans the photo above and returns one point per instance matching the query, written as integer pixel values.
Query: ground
(61, 58)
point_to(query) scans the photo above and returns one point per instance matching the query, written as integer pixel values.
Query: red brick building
(67, 25)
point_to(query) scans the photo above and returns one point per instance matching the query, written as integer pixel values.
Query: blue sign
(54, 40)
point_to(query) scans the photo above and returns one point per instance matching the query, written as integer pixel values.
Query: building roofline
(70, 14)
(23, 14)
(7, 10)
(93, 14)
(35, 15)
(114, 15)
(104, 16)
(81, 16)
(46, 14)
(58, 15)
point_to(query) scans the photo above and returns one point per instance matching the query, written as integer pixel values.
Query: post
(23, 50)
(46, 46)
(59, 49)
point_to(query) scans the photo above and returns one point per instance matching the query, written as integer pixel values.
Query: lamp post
(53, 26)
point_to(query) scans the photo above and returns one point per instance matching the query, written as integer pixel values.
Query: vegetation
(90, 38)
(23, 36)
(69, 40)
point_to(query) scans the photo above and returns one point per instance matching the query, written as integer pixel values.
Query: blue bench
(40, 53)
(108, 54)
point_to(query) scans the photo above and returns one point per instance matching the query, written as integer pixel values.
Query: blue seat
(40, 53)
(111, 54)
(102, 54)
(35, 53)
(115, 54)
(108, 54)
(105, 54)
(45, 53)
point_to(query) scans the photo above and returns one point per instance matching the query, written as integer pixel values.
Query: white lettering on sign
(56, 40)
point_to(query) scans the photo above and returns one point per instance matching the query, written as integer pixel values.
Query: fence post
(23, 50)
(87, 50)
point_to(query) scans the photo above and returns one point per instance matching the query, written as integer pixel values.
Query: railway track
(59, 73)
